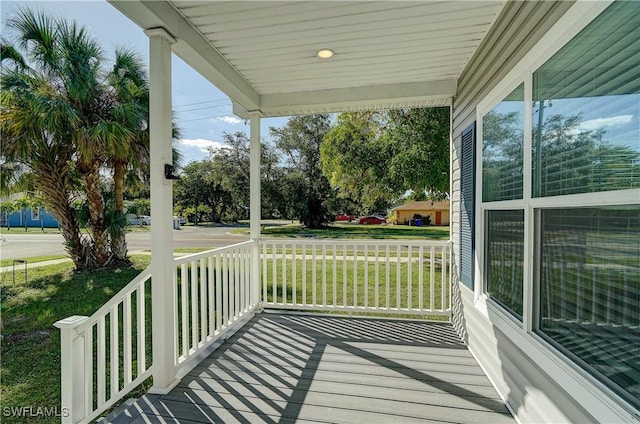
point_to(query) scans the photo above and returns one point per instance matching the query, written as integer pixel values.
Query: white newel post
(160, 132)
(255, 205)
(72, 369)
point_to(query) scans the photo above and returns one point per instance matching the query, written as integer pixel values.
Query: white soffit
(262, 53)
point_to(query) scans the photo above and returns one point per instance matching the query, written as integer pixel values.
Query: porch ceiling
(262, 53)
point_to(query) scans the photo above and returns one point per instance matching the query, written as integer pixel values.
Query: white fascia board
(369, 97)
(191, 47)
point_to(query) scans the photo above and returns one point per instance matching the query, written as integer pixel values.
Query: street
(24, 246)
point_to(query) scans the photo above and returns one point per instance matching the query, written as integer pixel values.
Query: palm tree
(130, 91)
(36, 123)
(59, 118)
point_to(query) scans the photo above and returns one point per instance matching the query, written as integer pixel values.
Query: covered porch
(170, 320)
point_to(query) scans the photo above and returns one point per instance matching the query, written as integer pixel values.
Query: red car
(372, 220)
(343, 217)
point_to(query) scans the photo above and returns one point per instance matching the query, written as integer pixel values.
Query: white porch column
(255, 204)
(162, 291)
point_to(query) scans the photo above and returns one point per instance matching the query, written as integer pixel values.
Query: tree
(64, 122)
(420, 161)
(300, 141)
(130, 91)
(36, 124)
(355, 156)
(374, 158)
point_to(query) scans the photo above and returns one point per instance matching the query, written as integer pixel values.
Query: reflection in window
(586, 109)
(502, 147)
(504, 258)
(590, 290)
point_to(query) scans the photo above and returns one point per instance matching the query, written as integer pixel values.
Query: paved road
(23, 246)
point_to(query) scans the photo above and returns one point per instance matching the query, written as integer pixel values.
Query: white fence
(107, 355)
(408, 277)
(213, 292)
(110, 345)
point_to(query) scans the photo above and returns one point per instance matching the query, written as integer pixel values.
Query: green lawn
(30, 369)
(355, 231)
(20, 267)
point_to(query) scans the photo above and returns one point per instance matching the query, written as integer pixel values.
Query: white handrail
(409, 277)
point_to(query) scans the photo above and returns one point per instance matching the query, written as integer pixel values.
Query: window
(504, 258)
(561, 200)
(502, 144)
(35, 213)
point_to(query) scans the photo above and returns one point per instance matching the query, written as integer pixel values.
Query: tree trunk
(57, 199)
(119, 241)
(100, 249)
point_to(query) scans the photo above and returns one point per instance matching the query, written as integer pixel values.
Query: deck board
(282, 368)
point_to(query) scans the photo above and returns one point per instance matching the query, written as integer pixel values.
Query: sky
(203, 111)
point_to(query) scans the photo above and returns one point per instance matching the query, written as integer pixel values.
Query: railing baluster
(219, 293)
(225, 290)
(409, 276)
(344, 275)
(355, 275)
(398, 292)
(203, 300)
(335, 274)
(443, 286)
(126, 335)
(294, 270)
(194, 305)
(88, 370)
(264, 272)
(304, 274)
(236, 284)
(113, 349)
(421, 279)
(388, 279)
(432, 277)
(184, 282)
(324, 274)
(210, 292)
(274, 271)
(102, 361)
(366, 276)
(140, 325)
(377, 277)
(314, 277)
(284, 273)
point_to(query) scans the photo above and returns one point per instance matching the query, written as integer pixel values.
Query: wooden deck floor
(282, 368)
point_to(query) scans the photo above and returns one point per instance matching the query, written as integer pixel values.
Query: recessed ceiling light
(325, 53)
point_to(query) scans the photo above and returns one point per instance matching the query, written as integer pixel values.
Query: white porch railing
(107, 355)
(111, 345)
(213, 292)
(409, 277)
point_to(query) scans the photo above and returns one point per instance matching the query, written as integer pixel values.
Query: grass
(355, 231)
(20, 267)
(30, 369)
